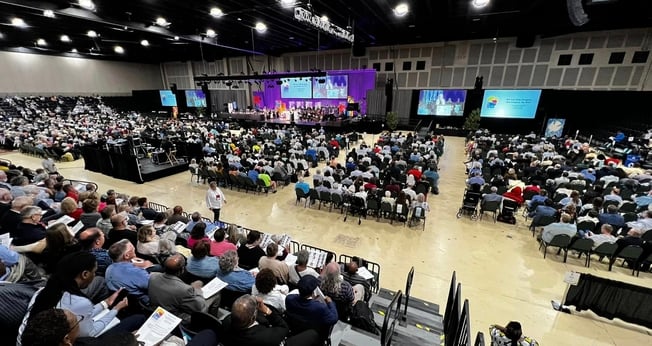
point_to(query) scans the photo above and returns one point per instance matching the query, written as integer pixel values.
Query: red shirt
(415, 173)
(218, 249)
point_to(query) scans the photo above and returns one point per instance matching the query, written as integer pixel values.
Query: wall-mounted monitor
(512, 104)
(296, 88)
(195, 98)
(168, 98)
(441, 102)
(330, 87)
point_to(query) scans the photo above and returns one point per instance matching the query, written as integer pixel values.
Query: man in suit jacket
(246, 327)
(169, 292)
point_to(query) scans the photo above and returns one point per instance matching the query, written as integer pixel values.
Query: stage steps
(423, 325)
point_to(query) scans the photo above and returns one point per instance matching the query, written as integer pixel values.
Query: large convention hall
(326, 172)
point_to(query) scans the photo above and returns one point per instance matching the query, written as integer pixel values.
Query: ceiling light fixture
(87, 4)
(211, 33)
(65, 38)
(18, 22)
(176, 38)
(401, 10)
(118, 50)
(144, 43)
(48, 13)
(324, 18)
(91, 33)
(41, 42)
(480, 3)
(160, 21)
(216, 12)
(261, 27)
(74, 50)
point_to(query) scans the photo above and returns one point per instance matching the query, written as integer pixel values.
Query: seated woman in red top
(71, 192)
(69, 207)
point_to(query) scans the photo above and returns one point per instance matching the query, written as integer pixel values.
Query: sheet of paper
(64, 220)
(211, 288)
(290, 259)
(365, 273)
(5, 239)
(146, 222)
(111, 324)
(157, 327)
(76, 228)
(179, 227)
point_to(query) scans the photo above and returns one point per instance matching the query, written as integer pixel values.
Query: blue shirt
(134, 279)
(239, 280)
(209, 226)
(206, 267)
(253, 175)
(314, 312)
(103, 260)
(303, 186)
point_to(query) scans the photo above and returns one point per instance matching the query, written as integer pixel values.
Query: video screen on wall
(195, 98)
(512, 104)
(168, 98)
(441, 102)
(332, 87)
(296, 88)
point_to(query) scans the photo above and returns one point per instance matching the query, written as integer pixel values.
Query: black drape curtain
(612, 299)
(117, 165)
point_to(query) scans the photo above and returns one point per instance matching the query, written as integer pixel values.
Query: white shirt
(275, 298)
(215, 198)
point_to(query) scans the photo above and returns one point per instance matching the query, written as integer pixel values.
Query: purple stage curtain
(359, 82)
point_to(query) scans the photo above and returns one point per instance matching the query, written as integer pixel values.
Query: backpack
(362, 317)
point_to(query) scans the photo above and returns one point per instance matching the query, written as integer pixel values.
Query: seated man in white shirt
(563, 227)
(301, 269)
(605, 236)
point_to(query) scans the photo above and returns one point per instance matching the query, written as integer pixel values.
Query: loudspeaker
(173, 87)
(204, 89)
(359, 50)
(525, 40)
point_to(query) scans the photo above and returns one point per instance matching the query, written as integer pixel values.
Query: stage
(150, 171)
(252, 119)
(128, 167)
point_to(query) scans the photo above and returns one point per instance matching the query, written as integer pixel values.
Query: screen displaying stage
(441, 102)
(296, 88)
(512, 104)
(195, 98)
(168, 98)
(333, 87)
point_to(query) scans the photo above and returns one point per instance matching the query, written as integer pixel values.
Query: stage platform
(150, 171)
(344, 125)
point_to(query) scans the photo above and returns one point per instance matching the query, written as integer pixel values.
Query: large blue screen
(333, 87)
(513, 104)
(168, 98)
(296, 88)
(441, 102)
(195, 98)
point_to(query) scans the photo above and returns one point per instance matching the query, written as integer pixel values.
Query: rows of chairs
(630, 254)
(358, 206)
(238, 182)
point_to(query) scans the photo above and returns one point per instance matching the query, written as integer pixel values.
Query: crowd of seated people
(72, 267)
(393, 177)
(565, 187)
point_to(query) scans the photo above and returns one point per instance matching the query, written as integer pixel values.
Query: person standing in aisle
(214, 200)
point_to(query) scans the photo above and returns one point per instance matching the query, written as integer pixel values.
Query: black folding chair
(562, 241)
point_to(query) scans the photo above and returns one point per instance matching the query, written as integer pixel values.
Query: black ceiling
(127, 22)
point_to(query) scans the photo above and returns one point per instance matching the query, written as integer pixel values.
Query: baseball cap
(307, 285)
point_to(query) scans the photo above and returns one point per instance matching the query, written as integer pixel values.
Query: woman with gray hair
(238, 279)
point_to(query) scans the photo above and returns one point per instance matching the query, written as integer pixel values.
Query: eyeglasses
(79, 319)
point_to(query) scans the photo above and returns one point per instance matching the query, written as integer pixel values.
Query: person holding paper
(128, 271)
(334, 286)
(266, 287)
(309, 309)
(279, 268)
(59, 242)
(301, 269)
(31, 229)
(239, 280)
(63, 290)
(169, 292)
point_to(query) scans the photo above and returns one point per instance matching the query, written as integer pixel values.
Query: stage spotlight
(160, 21)
(480, 3)
(118, 50)
(91, 33)
(65, 38)
(48, 13)
(41, 42)
(324, 18)
(401, 10)
(211, 33)
(74, 50)
(216, 12)
(18, 22)
(261, 27)
(87, 4)
(144, 43)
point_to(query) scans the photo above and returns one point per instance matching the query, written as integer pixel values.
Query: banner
(554, 127)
